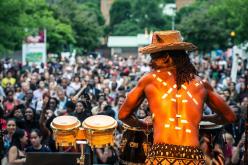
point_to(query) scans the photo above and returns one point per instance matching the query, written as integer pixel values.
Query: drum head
(65, 123)
(99, 122)
(206, 125)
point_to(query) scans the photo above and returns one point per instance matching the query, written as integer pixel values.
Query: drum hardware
(81, 160)
(134, 145)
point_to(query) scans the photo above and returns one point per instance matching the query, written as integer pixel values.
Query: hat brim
(153, 48)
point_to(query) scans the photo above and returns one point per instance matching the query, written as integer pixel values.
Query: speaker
(53, 158)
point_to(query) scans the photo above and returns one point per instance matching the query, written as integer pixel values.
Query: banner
(34, 47)
(34, 53)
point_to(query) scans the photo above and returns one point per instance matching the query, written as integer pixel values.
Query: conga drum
(211, 130)
(135, 144)
(65, 130)
(99, 130)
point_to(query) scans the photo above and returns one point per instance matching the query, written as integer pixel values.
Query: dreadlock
(185, 70)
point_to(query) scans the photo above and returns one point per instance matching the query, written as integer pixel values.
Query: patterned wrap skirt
(169, 154)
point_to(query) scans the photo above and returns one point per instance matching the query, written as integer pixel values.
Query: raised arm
(224, 114)
(132, 102)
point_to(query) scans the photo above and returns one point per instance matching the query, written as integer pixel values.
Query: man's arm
(131, 103)
(219, 106)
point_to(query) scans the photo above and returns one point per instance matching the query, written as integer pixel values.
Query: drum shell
(132, 146)
(64, 136)
(81, 135)
(100, 133)
(100, 138)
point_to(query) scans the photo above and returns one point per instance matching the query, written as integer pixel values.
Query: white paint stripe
(170, 90)
(159, 79)
(178, 116)
(195, 101)
(178, 95)
(184, 121)
(178, 128)
(184, 87)
(164, 96)
(174, 100)
(184, 101)
(189, 94)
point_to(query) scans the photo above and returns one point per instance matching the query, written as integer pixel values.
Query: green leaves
(77, 23)
(133, 17)
(208, 23)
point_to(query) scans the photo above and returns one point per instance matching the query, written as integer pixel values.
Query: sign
(33, 53)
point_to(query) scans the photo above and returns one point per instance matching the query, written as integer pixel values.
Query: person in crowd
(10, 130)
(238, 127)
(31, 121)
(91, 89)
(30, 100)
(81, 111)
(62, 101)
(239, 152)
(8, 80)
(101, 102)
(16, 153)
(118, 102)
(17, 115)
(76, 84)
(68, 90)
(229, 148)
(9, 103)
(35, 139)
(106, 155)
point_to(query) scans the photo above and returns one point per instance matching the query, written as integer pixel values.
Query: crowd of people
(32, 96)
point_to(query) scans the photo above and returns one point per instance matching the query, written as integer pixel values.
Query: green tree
(18, 19)
(87, 29)
(126, 27)
(85, 19)
(120, 11)
(11, 31)
(133, 17)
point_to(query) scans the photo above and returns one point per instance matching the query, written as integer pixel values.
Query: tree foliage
(74, 22)
(133, 17)
(208, 23)
(85, 19)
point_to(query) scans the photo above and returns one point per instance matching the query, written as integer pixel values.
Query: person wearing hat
(176, 96)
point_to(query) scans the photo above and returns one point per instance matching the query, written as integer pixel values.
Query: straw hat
(167, 40)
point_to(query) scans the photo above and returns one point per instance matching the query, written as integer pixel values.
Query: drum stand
(81, 160)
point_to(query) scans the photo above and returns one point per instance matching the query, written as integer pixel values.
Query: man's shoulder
(146, 77)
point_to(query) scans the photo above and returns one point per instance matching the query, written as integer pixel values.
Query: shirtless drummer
(176, 96)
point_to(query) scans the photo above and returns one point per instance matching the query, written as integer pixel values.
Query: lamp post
(170, 10)
(234, 58)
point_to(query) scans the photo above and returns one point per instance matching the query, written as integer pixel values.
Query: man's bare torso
(176, 113)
